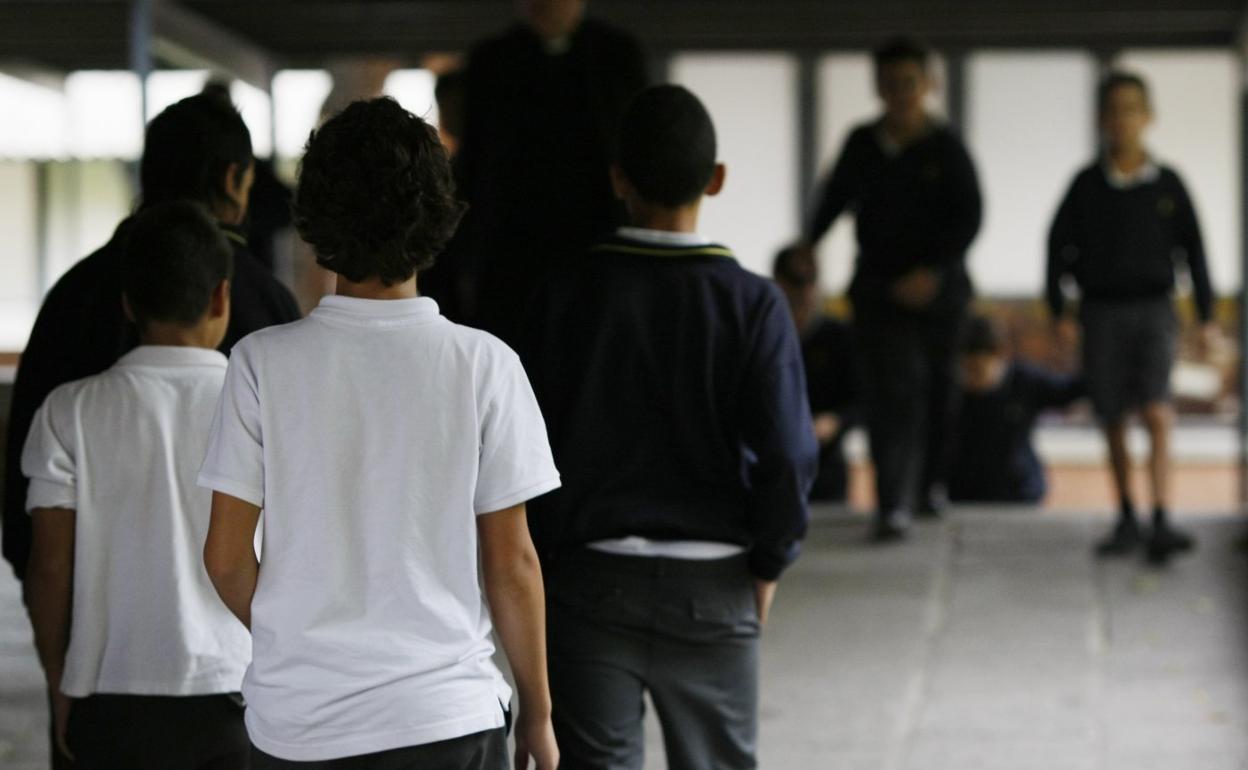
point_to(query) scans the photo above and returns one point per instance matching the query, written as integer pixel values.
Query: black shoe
(891, 527)
(1165, 541)
(1122, 541)
(934, 504)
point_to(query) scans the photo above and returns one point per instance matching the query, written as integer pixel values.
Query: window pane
(752, 99)
(414, 90)
(297, 99)
(1030, 127)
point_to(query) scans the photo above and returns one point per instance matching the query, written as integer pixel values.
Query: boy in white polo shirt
(390, 452)
(143, 661)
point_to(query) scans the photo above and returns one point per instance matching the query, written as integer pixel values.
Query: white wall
(1030, 125)
(753, 100)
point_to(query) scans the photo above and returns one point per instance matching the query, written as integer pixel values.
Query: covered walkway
(990, 640)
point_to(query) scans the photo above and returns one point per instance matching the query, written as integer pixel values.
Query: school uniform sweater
(916, 206)
(1121, 243)
(82, 330)
(994, 460)
(672, 385)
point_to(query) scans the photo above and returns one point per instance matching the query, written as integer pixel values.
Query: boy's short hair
(1120, 79)
(375, 197)
(795, 267)
(175, 257)
(188, 147)
(901, 49)
(667, 146)
(982, 336)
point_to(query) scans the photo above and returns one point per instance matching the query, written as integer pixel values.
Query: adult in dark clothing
(197, 149)
(671, 382)
(543, 104)
(994, 460)
(1118, 233)
(912, 187)
(446, 282)
(831, 376)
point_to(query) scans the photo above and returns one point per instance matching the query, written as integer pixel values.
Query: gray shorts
(1129, 349)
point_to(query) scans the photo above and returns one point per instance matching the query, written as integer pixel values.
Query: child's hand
(1210, 339)
(764, 594)
(916, 289)
(826, 425)
(536, 738)
(61, 706)
(1066, 330)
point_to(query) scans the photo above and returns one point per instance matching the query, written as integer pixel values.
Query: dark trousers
(909, 373)
(479, 751)
(685, 631)
(134, 732)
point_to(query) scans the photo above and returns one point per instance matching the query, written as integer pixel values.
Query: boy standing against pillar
(1117, 234)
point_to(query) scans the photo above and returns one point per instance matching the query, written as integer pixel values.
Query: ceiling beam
(182, 38)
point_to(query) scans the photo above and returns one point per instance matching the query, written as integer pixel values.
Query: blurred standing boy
(1118, 233)
(912, 186)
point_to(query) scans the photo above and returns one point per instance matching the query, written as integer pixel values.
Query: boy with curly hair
(391, 453)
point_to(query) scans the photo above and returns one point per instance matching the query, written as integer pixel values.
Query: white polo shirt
(370, 433)
(122, 449)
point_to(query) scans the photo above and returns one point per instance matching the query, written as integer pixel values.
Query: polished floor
(989, 640)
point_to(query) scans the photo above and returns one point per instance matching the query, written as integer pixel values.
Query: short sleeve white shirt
(371, 433)
(122, 450)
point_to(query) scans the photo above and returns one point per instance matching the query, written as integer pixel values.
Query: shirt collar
(662, 237)
(377, 312)
(1145, 174)
(172, 355)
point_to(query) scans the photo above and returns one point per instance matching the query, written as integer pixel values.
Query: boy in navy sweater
(994, 460)
(1117, 234)
(672, 386)
(912, 187)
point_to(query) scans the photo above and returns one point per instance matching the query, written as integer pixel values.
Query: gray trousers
(685, 631)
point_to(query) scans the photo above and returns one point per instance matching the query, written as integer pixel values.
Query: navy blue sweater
(918, 208)
(1123, 244)
(672, 385)
(994, 460)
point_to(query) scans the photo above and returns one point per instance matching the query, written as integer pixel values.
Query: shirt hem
(372, 744)
(232, 488)
(519, 496)
(217, 685)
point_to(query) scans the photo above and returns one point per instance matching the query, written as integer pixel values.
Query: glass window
(413, 88)
(297, 99)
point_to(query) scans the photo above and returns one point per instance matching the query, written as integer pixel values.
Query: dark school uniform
(540, 123)
(831, 384)
(915, 207)
(1120, 241)
(994, 460)
(672, 384)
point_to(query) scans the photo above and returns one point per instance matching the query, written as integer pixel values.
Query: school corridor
(990, 640)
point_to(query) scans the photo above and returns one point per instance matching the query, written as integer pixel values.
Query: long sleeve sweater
(1123, 243)
(916, 207)
(672, 385)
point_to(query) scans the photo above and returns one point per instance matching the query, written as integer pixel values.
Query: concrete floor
(989, 640)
